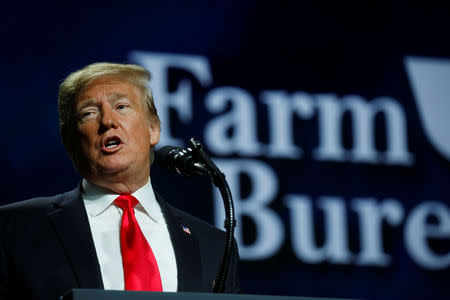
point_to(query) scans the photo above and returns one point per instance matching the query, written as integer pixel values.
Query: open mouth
(111, 145)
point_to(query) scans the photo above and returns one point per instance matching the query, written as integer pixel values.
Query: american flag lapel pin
(185, 229)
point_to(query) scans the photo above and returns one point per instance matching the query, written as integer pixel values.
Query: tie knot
(126, 201)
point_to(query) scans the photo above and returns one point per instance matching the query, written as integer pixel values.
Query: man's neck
(119, 186)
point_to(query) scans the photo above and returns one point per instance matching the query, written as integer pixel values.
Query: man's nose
(107, 119)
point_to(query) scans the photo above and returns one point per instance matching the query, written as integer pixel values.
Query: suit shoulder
(33, 204)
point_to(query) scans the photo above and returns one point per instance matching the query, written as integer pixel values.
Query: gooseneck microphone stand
(201, 164)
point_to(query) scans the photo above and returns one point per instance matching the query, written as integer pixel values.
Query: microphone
(195, 161)
(181, 161)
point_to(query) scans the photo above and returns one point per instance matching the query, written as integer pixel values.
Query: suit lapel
(71, 224)
(186, 249)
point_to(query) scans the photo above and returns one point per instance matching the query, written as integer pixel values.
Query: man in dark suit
(112, 231)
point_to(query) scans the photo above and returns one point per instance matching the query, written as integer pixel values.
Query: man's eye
(121, 106)
(87, 114)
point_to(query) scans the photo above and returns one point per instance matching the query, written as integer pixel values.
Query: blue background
(343, 47)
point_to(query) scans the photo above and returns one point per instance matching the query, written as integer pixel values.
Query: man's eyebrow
(89, 102)
(86, 103)
(116, 96)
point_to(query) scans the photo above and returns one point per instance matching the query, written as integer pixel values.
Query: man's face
(115, 132)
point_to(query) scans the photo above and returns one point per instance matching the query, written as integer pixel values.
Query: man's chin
(114, 169)
(104, 176)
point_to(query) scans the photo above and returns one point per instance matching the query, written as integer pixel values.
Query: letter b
(269, 228)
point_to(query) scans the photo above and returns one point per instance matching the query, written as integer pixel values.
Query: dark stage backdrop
(330, 121)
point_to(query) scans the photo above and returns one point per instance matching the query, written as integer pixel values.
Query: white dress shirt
(105, 219)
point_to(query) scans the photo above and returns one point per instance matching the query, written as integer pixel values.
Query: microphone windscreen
(165, 156)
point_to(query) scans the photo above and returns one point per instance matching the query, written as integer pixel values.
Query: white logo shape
(430, 82)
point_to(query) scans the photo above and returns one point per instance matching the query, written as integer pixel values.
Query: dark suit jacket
(46, 249)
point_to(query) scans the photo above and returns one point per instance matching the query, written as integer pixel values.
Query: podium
(88, 294)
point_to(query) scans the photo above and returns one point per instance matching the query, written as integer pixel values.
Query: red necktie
(139, 264)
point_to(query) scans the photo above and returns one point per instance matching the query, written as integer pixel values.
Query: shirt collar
(97, 199)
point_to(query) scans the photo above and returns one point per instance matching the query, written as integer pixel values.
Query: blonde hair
(74, 84)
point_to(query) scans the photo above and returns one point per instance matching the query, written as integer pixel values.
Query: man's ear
(155, 130)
